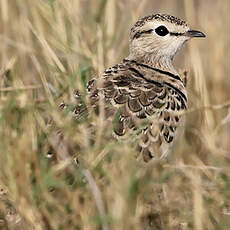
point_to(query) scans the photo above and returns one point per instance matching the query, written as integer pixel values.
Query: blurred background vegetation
(53, 180)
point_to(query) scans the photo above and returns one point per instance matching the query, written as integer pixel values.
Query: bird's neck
(158, 61)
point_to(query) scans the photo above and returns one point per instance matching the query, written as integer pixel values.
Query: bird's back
(143, 103)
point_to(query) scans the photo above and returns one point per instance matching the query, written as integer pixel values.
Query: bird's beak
(194, 33)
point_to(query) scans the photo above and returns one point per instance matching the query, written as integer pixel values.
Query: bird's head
(160, 35)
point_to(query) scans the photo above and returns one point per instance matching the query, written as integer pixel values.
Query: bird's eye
(161, 31)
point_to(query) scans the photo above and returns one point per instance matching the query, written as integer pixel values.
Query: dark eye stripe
(176, 34)
(139, 33)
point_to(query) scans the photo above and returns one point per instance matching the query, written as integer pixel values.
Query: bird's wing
(139, 104)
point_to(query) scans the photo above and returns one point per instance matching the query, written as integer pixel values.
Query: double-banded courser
(145, 92)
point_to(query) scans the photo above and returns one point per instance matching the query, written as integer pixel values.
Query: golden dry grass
(47, 49)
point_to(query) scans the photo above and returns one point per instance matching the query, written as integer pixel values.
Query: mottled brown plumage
(144, 92)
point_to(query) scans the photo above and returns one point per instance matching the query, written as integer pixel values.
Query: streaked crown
(164, 18)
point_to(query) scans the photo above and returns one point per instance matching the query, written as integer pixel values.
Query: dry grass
(47, 49)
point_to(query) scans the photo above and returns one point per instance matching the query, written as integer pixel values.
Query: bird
(144, 95)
